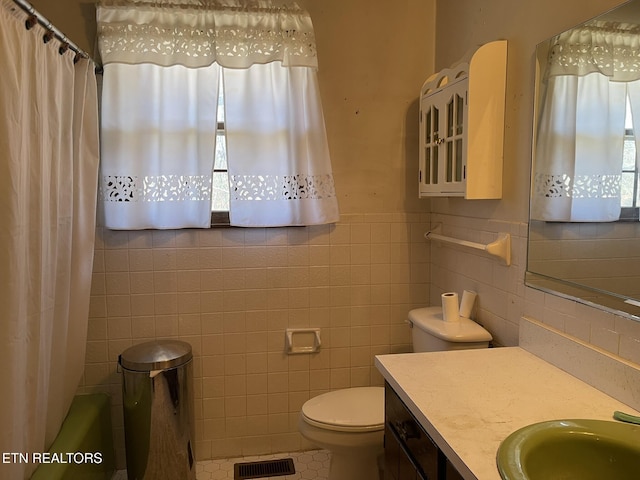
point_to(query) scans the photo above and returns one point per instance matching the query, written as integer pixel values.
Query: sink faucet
(625, 417)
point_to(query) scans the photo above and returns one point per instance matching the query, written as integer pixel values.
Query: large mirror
(584, 230)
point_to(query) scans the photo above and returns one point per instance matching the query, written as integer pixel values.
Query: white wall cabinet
(462, 127)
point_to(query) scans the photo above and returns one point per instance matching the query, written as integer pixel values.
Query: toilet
(349, 423)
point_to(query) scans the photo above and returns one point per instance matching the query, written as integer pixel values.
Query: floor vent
(267, 468)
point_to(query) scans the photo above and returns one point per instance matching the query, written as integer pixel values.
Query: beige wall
(74, 18)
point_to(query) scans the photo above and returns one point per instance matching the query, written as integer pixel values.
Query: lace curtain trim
(197, 36)
(580, 186)
(609, 48)
(167, 188)
(159, 188)
(282, 187)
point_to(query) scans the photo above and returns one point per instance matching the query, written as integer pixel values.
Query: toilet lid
(358, 409)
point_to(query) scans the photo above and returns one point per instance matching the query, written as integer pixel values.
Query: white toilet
(350, 422)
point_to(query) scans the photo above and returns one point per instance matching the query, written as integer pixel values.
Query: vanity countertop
(468, 401)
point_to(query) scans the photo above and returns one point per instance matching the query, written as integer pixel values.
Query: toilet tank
(430, 333)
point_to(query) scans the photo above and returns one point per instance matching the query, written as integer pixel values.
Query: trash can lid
(156, 355)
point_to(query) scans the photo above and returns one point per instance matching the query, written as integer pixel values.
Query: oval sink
(571, 449)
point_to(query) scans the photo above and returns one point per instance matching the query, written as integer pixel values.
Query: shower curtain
(49, 164)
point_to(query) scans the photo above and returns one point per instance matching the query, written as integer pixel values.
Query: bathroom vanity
(460, 405)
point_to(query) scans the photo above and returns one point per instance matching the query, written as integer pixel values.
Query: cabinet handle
(399, 432)
(406, 430)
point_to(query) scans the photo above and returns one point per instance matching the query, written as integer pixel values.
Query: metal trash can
(157, 397)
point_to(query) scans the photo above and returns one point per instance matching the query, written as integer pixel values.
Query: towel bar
(500, 248)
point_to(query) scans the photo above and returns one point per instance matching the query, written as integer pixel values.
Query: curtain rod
(61, 37)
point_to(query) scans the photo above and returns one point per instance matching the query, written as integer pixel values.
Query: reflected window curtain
(158, 135)
(581, 125)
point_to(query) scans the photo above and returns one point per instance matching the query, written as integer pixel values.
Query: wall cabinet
(462, 127)
(410, 454)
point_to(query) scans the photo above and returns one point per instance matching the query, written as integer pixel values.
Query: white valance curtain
(162, 65)
(581, 125)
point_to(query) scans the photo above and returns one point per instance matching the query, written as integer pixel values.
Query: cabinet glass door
(442, 141)
(431, 122)
(455, 130)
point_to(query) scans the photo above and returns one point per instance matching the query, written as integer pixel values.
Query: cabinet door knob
(406, 430)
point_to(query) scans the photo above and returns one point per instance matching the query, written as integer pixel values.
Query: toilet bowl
(350, 424)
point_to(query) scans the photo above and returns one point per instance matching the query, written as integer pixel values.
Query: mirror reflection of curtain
(578, 154)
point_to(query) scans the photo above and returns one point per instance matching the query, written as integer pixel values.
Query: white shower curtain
(49, 163)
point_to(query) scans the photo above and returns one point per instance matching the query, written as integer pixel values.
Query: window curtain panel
(157, 145)
(157, 166)
(49, 165)
(581, 125)
(279, 169)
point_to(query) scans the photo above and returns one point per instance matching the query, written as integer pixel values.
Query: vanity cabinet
(462, 127)
(410, 454)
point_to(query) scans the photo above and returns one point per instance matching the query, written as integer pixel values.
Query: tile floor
(312, 465)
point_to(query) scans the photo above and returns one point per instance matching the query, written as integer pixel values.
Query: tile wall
(232, 292)
(500, 288)
(600, 255)
(606, 331)
(503, 297)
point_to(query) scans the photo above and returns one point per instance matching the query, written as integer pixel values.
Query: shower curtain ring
(30, 22)
(47, 37)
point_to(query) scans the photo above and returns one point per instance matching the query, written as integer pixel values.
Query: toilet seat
(358, 409)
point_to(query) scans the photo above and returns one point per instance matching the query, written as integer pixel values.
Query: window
(629, 185)
(220, 180)
(159, 168)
